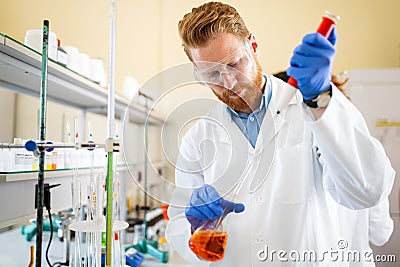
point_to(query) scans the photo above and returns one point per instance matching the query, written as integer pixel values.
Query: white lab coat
(308, 188)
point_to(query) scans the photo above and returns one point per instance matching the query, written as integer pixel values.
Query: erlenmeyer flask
(209, 240)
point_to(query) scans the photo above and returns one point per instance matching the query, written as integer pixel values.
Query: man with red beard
(293, 178)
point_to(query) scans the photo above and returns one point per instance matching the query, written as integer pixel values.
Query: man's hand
(311, 64)
(206, 204)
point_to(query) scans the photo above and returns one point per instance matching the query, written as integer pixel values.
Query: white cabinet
(376, 93)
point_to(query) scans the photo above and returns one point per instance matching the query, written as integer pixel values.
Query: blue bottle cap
(30, 145)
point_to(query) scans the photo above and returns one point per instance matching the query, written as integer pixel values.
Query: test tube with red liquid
(325, 28)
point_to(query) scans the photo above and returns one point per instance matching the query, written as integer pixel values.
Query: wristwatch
(321, 100)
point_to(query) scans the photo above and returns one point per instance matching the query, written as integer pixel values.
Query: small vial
(35, 163)
(162, 244)
(48, 162)
(118, 257)
(54, 160)
(60, 159)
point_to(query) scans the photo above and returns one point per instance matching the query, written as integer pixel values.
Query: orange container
(164, 208)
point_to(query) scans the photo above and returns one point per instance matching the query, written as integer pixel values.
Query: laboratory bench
(15, 252)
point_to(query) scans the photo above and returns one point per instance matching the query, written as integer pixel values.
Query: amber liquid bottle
(208, 244)
(32, 258)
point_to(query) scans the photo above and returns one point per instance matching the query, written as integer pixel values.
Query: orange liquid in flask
(209, 244)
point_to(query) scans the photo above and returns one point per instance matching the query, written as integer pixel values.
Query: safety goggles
(231, 67)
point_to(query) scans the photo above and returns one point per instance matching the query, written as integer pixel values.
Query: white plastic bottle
(62, 56)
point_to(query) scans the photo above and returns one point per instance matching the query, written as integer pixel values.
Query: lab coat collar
(221, 114)
(278, 88)
(272, 122)
(270, 126)
(266, 83)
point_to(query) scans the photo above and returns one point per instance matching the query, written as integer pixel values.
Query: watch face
(323, 100)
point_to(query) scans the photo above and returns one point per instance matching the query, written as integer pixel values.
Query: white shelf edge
(49, 174)
(32, 175)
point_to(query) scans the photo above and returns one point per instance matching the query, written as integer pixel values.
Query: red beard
(250, 92)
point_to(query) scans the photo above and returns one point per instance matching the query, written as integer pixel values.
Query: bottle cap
(30, 145)
(17, 141)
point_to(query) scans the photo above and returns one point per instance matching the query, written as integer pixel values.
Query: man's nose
(229, 80)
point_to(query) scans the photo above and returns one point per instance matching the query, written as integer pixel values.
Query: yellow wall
(368, 31)
(148, 42)
(85, 25)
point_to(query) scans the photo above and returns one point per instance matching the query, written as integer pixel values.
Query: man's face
(230, 68)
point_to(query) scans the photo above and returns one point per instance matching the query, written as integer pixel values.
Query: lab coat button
(257, 199)
(259, 239)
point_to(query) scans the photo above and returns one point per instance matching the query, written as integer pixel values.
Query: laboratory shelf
(14, 176)
(23, 175)
(20, 71)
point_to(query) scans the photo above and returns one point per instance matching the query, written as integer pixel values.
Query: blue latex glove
(206, 204)
(311, 64)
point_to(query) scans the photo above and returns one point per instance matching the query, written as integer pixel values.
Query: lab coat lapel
(233, 146)
(273, 122)
(236, 136)
(266, 143)
(270, 126)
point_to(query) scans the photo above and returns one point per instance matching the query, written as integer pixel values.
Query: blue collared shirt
(249, 124)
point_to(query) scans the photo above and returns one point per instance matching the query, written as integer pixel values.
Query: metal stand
(42, 137)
